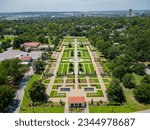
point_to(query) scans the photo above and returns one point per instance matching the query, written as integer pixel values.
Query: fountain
(65, 89)
(88, 89)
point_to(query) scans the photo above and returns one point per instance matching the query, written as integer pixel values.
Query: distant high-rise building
(130, 12)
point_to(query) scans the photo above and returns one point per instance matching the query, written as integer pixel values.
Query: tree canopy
(142, 93)
(7, 95)
(115, 92)
(37, 92)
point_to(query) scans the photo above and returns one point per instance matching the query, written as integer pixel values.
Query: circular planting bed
(46, 81)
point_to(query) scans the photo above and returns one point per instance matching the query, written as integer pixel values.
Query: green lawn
(46, 81)
(70, 81)
(98, 94)
(10, 37)
(56, 86)
(68, 39)
(58, 81)
(106, 80)
(82, 80)
(58, 109)
(89, 68)
(109, 109)
(66, 54)
(93, 80)
(63, 68)
(26, 97)
(54, 94)
(82, 39)
(137, 78)
(107, 85)
(81, 47)
(97, 86)
(60, 68)
(48, 69)
(131, 106)
(85, 54)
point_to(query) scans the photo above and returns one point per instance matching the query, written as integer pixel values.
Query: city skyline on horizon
(69, 6)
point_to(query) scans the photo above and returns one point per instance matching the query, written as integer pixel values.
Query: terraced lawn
(46, 81)
(54, 94)
(58, 109)
(56, 86)
(91, 80)
(89, 68)
(82, 39)
(63, 68)
(66, 54)
(57, 81)
(83, 54)
(96, 85)
(68, 39)
(98, 94)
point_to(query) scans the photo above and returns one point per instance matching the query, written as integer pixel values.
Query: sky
(71, 5)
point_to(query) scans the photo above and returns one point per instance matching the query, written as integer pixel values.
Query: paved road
(15, 106)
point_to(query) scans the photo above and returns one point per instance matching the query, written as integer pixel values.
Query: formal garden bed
(98, 94)
(92, 80)
(46, 81)
(54, 94)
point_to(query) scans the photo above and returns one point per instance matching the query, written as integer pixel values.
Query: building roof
(25, 58)
(31, 44)
(76, 100)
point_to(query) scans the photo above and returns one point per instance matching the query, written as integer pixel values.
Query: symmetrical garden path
(52, 79)
(76, 63)
(98, 75)
(76, 91)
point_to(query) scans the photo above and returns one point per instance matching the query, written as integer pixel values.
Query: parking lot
(10, 54)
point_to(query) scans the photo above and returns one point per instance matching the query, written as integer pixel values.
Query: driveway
(15, 106)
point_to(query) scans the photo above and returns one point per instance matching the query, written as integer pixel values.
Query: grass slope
(26, 97)
(131, 106)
